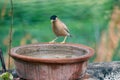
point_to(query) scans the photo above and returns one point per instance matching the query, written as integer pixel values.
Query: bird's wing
(65, 27)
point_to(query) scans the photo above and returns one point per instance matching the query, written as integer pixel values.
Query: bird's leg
(64, 39)
(53, 40)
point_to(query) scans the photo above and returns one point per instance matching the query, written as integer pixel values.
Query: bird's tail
(70, 35)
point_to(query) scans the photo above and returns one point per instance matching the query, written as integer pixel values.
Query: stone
(104, 71)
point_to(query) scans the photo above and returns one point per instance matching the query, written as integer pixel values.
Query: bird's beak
(52, 20)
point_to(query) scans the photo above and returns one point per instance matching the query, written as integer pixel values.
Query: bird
(59, 29)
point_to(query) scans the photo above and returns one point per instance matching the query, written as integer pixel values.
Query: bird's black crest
(53, 17)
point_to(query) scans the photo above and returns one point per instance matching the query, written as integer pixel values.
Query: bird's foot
(62, 42)
(52, 41)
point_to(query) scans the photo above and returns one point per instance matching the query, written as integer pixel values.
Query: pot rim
(53, 60)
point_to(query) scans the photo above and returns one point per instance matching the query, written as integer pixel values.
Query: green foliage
(85, 19)
(6, 76)
(116, 55)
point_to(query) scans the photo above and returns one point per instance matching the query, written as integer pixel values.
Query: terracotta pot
(46, 61)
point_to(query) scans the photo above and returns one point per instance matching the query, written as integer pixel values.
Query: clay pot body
(46, 61)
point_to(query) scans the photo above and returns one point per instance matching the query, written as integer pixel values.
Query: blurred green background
(86, 20)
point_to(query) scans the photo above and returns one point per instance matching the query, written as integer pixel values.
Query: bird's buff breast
(59, 30)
